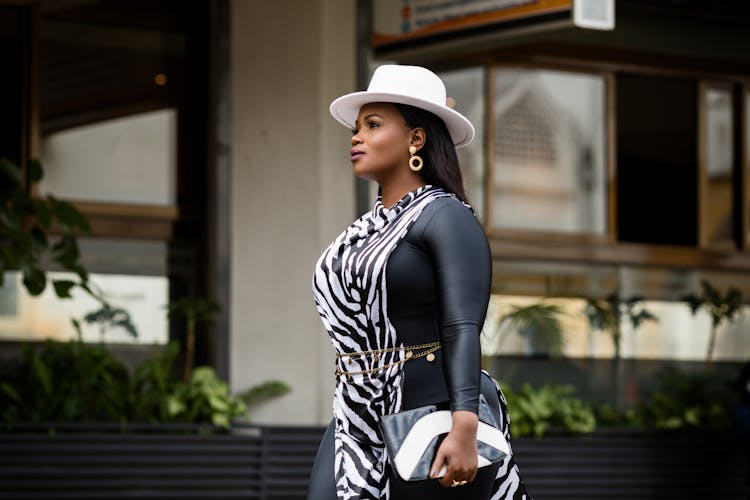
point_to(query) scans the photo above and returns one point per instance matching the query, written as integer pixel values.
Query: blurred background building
(612, 157)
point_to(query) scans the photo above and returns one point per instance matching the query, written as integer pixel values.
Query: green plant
(263, 392)
(111, 317)
(38, 229)
(608, 416)
(65, 382)
(721, 308)
(533, 411)
(79, 382)
(683, 400)
(539, 321)
(607, 315)
(26, 225)
(152, 384)
(195, 310)
(204, 398)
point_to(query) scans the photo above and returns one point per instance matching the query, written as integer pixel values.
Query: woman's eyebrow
(367, 118)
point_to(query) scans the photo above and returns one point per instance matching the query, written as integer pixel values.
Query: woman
(403, 293)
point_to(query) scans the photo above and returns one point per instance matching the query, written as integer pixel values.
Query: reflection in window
(125, 160)
(719, 159)
(549, 151)
(677, 335)
(466, 88)
(48, 317)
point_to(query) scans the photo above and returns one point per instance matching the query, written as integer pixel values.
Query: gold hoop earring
(415, 162)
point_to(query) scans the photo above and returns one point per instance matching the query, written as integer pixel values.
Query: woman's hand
(458, 451)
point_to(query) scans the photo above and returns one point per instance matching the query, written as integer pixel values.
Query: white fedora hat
(413, 85)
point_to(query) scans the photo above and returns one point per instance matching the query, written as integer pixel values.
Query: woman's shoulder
(445, 213)
(448, 208)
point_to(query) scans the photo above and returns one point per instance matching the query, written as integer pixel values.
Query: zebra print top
(349, 286)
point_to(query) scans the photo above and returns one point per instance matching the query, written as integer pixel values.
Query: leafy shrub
(534, 411)
(679, 400)
(204, 398)
(65, 382)
(77, 382)
(684, 400)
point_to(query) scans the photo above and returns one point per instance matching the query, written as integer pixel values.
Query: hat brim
(346, 108)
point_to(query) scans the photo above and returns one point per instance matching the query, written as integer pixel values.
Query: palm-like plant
(721, 308)
(540, 322)
(195, 310)
(607, 314)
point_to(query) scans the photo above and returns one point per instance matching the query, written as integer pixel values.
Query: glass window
(48, 317)
(466, 93)
(657, 159)
(677, 334)
(717, 204)
(130, 274)
(549, 159)
(125, 160)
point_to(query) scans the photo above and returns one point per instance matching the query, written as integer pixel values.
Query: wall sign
(402, 20)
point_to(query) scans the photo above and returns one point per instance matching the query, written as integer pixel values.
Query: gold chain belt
(428, 351)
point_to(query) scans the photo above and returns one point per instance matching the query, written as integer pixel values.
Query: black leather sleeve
(463, 270)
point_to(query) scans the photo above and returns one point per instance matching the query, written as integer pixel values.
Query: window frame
(606, 249)
(703, 85)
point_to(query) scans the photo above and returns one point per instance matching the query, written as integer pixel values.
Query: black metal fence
(274, 463)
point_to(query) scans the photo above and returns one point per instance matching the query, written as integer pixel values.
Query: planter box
(630, 466)
(159, 462)
(274, 463)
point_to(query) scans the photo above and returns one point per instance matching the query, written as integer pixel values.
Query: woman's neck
(392, 193)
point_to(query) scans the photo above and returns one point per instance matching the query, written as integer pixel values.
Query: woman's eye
(355, 131)
(373, 124)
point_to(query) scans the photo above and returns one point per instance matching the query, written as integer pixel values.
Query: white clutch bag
(412, 438)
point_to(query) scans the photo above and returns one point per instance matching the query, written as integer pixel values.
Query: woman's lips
(356, 154)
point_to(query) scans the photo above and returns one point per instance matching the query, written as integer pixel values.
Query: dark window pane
(656, 160)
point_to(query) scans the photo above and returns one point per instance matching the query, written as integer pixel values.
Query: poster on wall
(402, 20)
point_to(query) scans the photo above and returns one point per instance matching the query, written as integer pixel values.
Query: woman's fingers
(438, 463)
(459, 460)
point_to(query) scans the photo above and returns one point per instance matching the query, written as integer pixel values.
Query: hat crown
(413, 81)
(410, 85)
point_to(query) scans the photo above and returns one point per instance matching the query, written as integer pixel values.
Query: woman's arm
(463, 271)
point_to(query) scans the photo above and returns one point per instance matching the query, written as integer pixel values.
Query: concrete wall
(292, 193)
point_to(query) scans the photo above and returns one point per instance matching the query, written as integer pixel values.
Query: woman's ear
(417, 138)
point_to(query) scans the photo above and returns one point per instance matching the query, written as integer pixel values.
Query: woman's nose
(356, 140)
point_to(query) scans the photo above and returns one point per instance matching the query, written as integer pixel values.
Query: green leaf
(217, 403)
(77, 327)
(83, 275)
(220, 419)
(10, 392)
(42, 374)
(63, 287)
(69, 216)
(34, 280)
(42, 211)
(175, 406)
(10, 220)
(263, 392)
(65, 251)
(11, 172)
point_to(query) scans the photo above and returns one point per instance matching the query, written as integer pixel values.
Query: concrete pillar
(292, 193)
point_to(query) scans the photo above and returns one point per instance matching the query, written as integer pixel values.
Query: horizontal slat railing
(634, 467)
(275, 462)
